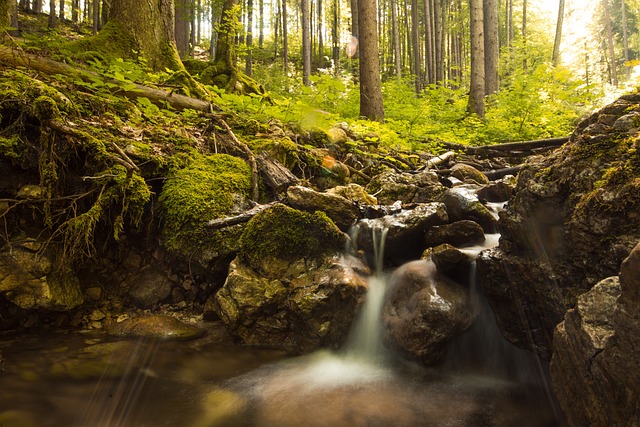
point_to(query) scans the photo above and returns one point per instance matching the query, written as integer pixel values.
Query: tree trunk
(428, 25)
(370, 87)
(61, 12)
(150, 23)
(53, 21)
(25, 5)
(625, 37)
(477, 85)
(556, 43)
(285, 37)
(248, 68)
(335, 40)
(306, 43)
(416, 57)
(260, 23)
(96, 16)
(105, 12)
(524, 31)
(491, 47)
(611, 51)
(439, 41)
(37, 6)
(75, 8)
(396, 38)
(192, 35)
(320, 61)
(182, 27)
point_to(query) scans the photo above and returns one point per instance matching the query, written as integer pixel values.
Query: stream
(87, 379)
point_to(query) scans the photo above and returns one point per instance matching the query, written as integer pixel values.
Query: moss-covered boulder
(573, 218)
(32, 279)
(342, 211)
(208, 187)
(389, 186)
(289, 287)
(155, 326)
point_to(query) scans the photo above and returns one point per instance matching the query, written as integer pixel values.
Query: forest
(322, 213)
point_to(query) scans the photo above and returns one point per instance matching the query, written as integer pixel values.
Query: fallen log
(276, 176)
(129, 90)
(511, 146)
(501, 173)
(439, 160)
(216, 224)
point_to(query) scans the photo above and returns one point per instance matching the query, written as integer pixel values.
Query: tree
(396, 38)
(610, 46)
(415, 45)
(53, 21)
(556, 43)
(306, 43)
(625, 36)
(285, 37)
(477, 84)
(370, 87)
(491, 46)
(182, 26)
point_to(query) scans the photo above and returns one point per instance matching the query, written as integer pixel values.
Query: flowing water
(74, 379)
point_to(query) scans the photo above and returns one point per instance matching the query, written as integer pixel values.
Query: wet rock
(390, 186)
(341, 210)
(289, 287)
(467, 173)
(31, 279)
(405, 231)
(463, 204)
(573, 217)
(498, 191)
(423, 311)
(354, 193)
(459, 233)
(149, 288)
(595, 371)
(446, 257)
(155, 326)
(31, 192)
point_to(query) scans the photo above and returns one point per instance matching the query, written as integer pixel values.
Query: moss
(188, 86)
(194, 66)
(45, 109)
(282, 149)
(112, 42)
(198, 193)
(288, 234)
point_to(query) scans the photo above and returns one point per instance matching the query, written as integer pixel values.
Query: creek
(86, 379)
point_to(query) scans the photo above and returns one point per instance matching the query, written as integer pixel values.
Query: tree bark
(491, 47)
(371, 105)
(53, 21)
(416, 59)
(248, 66)
(285, 37)
(612, 56)
(151, 25)
(524, 31)
(96, 16)
(625, 37)
(429, 59)
(477, 85)
(558, 38)
(61, 12)
(306, 43)
(396, 38)
(182, 27)
(439, 42)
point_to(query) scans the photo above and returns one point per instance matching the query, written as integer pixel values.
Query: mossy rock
(286, 234)
(155, 326)
(209, 187)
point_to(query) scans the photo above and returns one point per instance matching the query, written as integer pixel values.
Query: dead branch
(216, 224)
(510, 147)
(439, 160)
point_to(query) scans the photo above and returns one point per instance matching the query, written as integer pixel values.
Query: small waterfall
(365, 341)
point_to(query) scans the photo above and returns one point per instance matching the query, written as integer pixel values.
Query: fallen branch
(129, 90)
(216, 224)
(501, 149)
(501, 173)
(439, 160)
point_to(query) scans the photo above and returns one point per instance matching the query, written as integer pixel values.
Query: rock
(389, 186)
(423, 311)
(459, 233)
(341, 210)
(628, 123)
(337, 135)
(31, 279)
(31, 192)
(155, 326)
(289, 287)
(467, 173)
(573, 217)
(354, 193)
(94, 293)
(496, 192)
(405, 231)
(446, 257)
(463, 204)
(149, 288)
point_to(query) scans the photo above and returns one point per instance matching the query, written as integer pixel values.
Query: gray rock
(342, 211)
(459, 233)
(424, 310)
(390, 186)
(149, 288)
(467, 173)
(463, 204)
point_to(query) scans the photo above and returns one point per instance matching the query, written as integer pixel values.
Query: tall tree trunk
(355, 19)
(150, 23)
(104, 14)
(285, 41)
(75, 9)
(25, 5)
(611, 51)
(370, 87)
(396, 38)
(306, 43)
(192, 35)
(198, 7)
(320, 61)
(524, 31)
(8, 15)
(625, 37)
(477, 85)
(491, 46)
(429, 53)
(61, 12)
(558, 39)
(182, 27)
(260, 23)
(248, 69)
(37, 6)
(53, 21)
(439, 41)
(335, 42)
(415, 46)
(96, 16)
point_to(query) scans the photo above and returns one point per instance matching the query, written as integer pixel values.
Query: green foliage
(207, 188)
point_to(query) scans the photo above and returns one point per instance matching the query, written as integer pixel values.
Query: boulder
(573, 217)
(447, 257)
(467, 173)
(497, 191)
(594, 369)
(458, 233)
(289, 287)
(342, 211)
(155, 326)
(31, 278)
(463, 204)
(355, 193)
(423, 311)
(389, 186)
(149, 288)
(404, 231)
